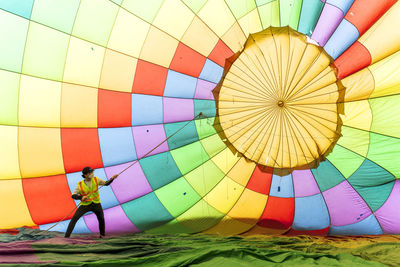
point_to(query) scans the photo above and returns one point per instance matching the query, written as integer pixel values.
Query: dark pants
(96, 208)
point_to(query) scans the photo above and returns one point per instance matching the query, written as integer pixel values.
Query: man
(87, 191)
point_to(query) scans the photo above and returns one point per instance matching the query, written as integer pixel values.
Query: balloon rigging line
(137, 160)
(271, 82)
(256, 82)
(145, 155)
(263, 85)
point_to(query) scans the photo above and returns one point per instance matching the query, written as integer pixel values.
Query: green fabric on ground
(24, 234)
(208, 250)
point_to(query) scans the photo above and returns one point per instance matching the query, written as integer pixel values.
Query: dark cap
(87, 170)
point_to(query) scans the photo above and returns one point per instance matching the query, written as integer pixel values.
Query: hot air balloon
(244, 117)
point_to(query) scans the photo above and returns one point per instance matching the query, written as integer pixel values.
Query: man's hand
(84, 198)
(114, 176)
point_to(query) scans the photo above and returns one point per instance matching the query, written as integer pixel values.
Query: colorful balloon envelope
(244, 117)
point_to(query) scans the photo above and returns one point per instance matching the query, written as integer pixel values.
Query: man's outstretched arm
(76, 194)
(102, 182)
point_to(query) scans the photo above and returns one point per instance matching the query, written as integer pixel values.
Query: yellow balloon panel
(251, 22)
(13, 208)
(39, 102)
(84, 61)
(118, 72)
(9, 162)
(125, 38)
(199, 37)
(78, 106)
(221, 23)
(242, 171)
(225, 160)
(383, 30)
(386, 74)
(224, 195)
(358, 115)
(234, 38)
(359, 85)
(249, 207)
(168, 21)
(159, 47)
(40, 151)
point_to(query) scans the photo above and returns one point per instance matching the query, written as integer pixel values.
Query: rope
(137, 160)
